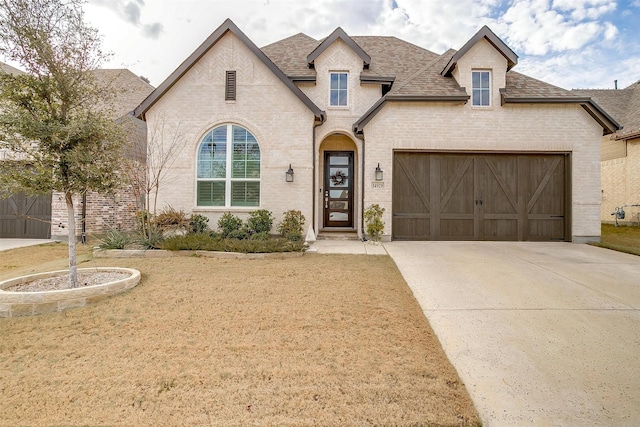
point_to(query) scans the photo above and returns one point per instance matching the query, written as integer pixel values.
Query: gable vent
(230, 86)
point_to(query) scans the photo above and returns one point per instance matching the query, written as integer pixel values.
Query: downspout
(313, 171)
(84, 218)
(362, 186)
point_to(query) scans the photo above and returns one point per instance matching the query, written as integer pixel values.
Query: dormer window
(339, 90)
(481, 88)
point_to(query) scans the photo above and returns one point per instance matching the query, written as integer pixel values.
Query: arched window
(228, 168)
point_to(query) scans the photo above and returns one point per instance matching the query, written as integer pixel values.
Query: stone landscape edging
(161, 253)
(13, 304)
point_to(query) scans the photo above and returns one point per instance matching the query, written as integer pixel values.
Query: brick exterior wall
(509, 128)
(621, 184)
(104, 213)
(281, 123)
(283, 127)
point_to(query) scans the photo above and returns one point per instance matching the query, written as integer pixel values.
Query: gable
(484, 34)
(212, 40)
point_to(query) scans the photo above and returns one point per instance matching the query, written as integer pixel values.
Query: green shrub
(229, 223)
(260, 221)
(373, 221)
(239, 233)
(260, 236)
(199, 224)
(291, 225)
(115, 239)
(192, 242)
(205, 242)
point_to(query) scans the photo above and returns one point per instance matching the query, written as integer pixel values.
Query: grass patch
(314, 340)
(622, 239)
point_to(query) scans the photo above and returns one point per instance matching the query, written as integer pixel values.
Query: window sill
(225, 208)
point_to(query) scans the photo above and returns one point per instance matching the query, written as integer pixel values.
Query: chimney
(615, 84)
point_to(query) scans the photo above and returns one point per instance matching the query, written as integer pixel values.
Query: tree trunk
(73, 267)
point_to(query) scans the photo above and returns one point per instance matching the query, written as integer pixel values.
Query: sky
(568, 43)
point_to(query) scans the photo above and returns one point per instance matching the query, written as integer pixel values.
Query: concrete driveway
(541, 333)
(20, 243)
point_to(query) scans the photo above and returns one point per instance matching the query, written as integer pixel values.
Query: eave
(358, 127)
(487, 34)
(609, 125)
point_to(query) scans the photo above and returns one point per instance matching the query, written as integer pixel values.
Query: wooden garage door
(25, 217)
(441, 196)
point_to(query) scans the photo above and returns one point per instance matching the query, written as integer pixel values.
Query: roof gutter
(609, 125)
(358, 127)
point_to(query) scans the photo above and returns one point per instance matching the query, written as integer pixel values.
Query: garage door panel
(500, 229)
(411, 227)
(481, 196)
(26, 217)
(456, 184)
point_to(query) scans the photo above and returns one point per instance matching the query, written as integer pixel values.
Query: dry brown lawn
(328, 340)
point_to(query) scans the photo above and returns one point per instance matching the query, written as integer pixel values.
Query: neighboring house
(620, 161)
(454, 146)
(46, 216)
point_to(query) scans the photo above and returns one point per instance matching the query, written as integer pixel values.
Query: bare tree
(149, 166)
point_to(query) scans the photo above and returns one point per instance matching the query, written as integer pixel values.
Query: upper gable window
(339, 90)
(481, 88)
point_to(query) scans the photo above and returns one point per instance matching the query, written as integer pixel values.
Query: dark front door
(338, 189)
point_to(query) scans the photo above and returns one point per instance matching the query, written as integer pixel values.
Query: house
(45, 216)
(620, 162)
(454, 146)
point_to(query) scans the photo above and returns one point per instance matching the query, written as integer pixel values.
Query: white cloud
(551, 37)
(130, 11)
(535, 28)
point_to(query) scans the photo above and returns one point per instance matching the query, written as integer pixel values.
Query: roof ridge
(288, 38)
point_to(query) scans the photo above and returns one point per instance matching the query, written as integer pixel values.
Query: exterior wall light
(379, 173)
(289, 174)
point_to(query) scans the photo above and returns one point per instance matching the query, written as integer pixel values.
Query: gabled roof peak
(226, 26)
(484, 33)
(339, 33)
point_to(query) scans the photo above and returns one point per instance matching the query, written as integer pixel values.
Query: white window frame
(346, 73)
(228, 179)
(481, 89)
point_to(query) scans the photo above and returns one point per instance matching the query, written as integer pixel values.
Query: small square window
(481, 88)
(339, 90)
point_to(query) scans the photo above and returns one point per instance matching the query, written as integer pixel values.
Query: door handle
(326, 199)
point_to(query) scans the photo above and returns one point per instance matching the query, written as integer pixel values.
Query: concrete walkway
(354, 247)
(6, 244)
(541, 333)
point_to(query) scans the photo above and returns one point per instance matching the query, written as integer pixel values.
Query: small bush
(239, 233)
(205, 242)
(291, 225)
(229, 223)
(199, 224)
(373, 220)
(260, 221)
(260, 236)
(115, 239)
(171, 219)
